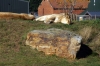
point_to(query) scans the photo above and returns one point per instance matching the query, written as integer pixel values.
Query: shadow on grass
(84, 51)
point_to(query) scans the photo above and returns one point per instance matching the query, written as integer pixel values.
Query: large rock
(62, 43)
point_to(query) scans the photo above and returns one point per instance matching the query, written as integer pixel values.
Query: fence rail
(75, 17)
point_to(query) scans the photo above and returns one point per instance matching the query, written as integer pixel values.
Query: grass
(14, 52)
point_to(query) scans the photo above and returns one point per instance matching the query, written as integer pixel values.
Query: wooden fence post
(95, 17)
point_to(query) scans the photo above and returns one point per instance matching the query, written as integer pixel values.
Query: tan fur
(10, 15)
(45, 18)
(56, 18)
(65, 20)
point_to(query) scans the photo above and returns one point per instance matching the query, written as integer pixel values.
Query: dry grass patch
(86, 32)
(95, 43)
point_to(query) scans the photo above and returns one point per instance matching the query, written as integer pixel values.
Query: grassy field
(14, 52)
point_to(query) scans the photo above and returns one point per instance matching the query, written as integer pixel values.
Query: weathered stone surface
(62, 43)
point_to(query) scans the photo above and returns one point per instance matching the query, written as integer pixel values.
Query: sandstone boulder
(53, 41)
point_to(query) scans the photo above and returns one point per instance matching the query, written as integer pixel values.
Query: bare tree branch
(73, 3)
(65, 6)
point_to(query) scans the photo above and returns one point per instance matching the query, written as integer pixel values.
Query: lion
(55, 18)
(10, 15)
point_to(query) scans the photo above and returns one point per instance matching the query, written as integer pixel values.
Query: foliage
(34, 5)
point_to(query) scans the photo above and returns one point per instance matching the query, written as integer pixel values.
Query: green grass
(14, 52)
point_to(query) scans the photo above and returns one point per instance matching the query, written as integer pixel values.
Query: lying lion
(56, 18)
(10, 15)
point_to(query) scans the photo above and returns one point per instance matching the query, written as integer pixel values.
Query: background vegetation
(14, 52)
(33, 5)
